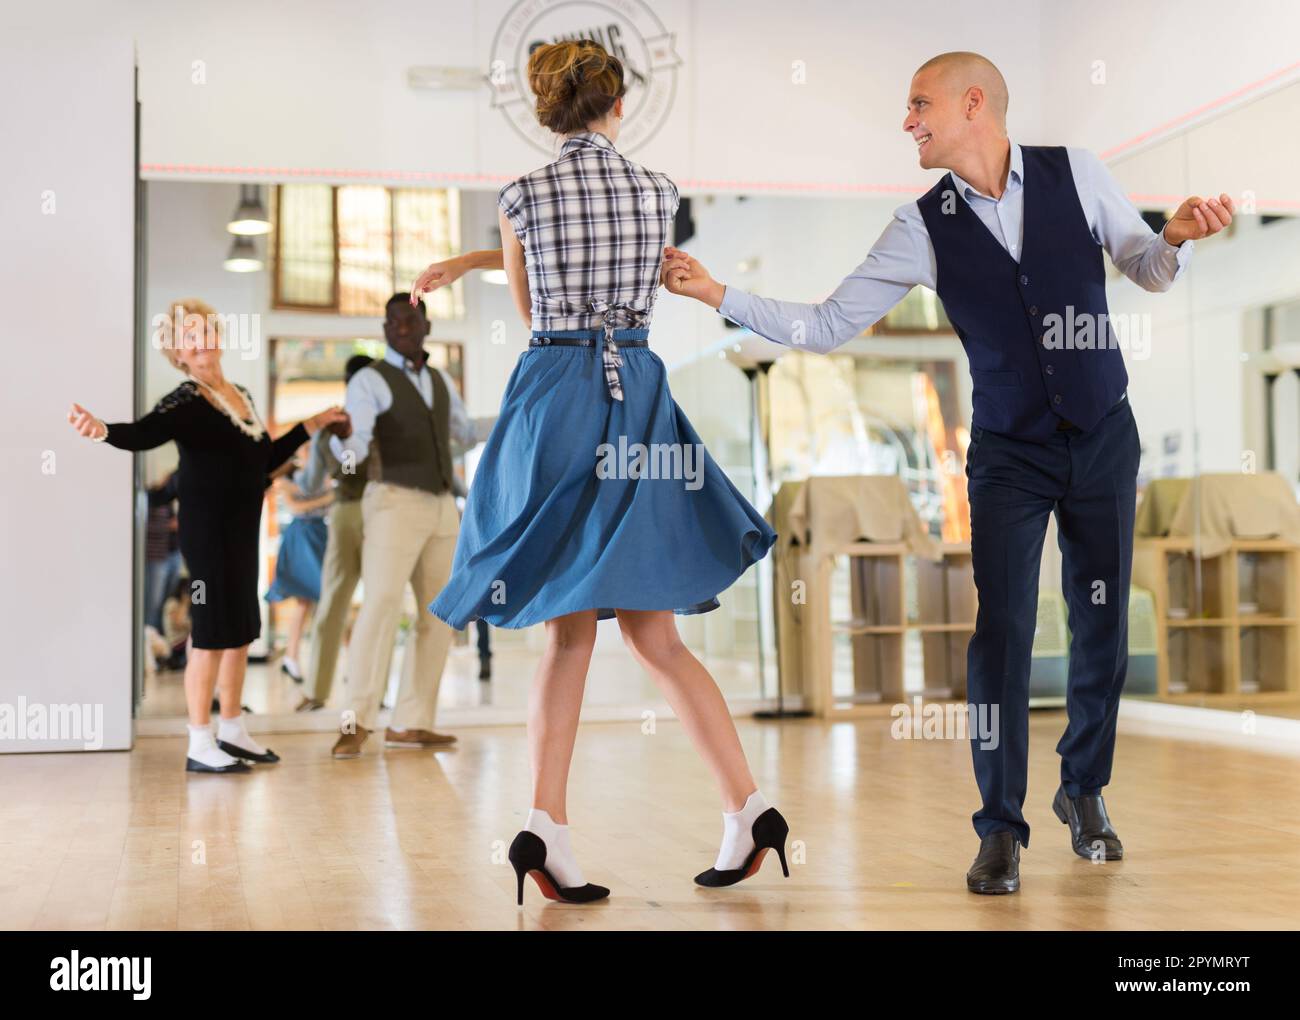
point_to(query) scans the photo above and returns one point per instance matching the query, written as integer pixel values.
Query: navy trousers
(1089, 480)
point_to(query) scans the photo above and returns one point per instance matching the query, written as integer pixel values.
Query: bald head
(961, 71)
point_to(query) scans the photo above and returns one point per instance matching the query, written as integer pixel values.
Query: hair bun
(575, 82)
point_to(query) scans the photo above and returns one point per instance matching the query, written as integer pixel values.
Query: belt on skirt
(607, 341)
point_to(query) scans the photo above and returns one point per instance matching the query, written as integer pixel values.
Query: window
(348, 249)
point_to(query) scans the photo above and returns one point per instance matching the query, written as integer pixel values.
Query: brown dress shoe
(349, 744)
(416, 738)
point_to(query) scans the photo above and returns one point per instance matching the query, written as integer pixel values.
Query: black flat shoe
(528, 855)
(1091, 834)
(197, 766)
(769, 831)
(235, 751)
(996, 869)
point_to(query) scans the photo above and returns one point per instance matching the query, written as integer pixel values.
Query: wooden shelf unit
(1235, 637)
(879, 625)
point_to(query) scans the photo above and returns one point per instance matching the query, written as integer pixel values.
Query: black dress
(221, 484)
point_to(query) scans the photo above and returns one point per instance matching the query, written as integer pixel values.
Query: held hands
(1199, 217)
(335, 419)
(684, 275)
(86, 423)
(440, 274)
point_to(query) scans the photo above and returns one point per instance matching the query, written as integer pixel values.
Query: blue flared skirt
(298, 563)
(583, 502)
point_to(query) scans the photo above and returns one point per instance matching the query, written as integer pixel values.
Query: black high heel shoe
(528, 855)
(769, 831)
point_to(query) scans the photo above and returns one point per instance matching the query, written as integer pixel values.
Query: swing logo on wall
(628, 29)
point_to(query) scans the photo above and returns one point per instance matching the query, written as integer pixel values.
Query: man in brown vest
(409, 415)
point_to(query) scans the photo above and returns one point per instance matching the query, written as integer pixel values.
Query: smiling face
(199, 346)
(935, 117)
(956, 106)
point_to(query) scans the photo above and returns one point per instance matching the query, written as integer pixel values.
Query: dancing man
(1011, 239)
(407, 416)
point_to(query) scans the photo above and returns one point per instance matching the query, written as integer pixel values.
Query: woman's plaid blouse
(593, 226)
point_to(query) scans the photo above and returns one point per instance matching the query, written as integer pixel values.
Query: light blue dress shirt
(314, 478)
(903, 258)
(369, 396)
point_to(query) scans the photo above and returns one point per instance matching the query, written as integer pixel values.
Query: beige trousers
(409, 537)
(339, 576)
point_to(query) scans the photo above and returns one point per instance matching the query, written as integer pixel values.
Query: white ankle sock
(233, 731)
(737, 833)
(204, 749)
(560, 861)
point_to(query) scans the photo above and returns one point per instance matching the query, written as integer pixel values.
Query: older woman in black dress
(226, 457)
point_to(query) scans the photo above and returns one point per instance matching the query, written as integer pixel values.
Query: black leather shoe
(235, 766)
(235, 751)
(1090, 830)
(996, 869)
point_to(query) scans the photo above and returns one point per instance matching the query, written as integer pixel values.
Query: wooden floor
(403, 839)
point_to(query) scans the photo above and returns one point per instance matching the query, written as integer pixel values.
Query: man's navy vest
(1029, 369)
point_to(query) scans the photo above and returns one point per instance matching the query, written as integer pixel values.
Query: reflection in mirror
(1218, 401)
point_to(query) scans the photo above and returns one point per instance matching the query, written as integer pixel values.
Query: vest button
(1056, 399)
(1024, 281)
(1051, 369)
(1033, 309)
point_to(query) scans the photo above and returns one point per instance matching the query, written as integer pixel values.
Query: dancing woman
(226, 458)
(307, 497)
(551, 533)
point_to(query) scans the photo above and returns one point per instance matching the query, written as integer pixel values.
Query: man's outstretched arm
(898, 261)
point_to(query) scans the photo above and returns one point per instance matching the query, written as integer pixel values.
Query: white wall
(297, 86)
(300, 87)
(66, 516)
(1163, 60)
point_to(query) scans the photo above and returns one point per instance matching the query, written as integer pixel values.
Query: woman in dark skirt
(226, 458)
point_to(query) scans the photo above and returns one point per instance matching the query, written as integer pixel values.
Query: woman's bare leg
(302, 609)
(230, 681)
(200, 676)
(693, 696)
(554, 705)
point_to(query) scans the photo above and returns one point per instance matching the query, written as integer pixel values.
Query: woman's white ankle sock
(204, 749)
(560, 861)
(737, 833)
(233, 731)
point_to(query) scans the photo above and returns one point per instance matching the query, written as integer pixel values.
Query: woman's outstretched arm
(151, 431)
(448, 271)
